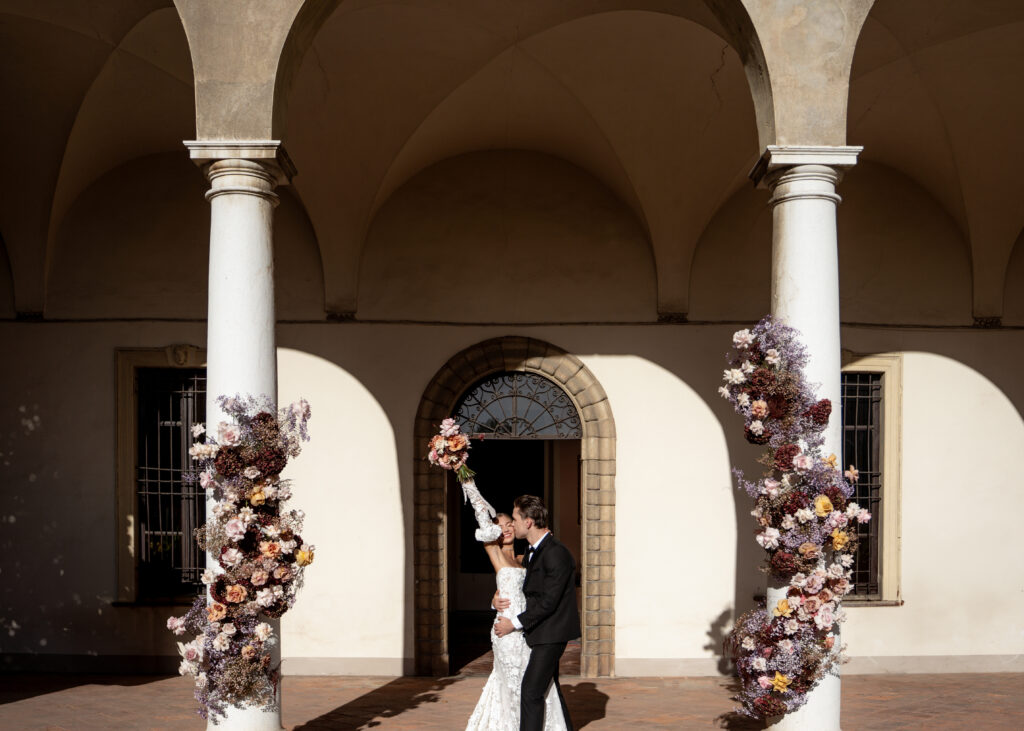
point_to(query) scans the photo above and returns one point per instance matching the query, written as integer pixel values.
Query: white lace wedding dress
(498, 707)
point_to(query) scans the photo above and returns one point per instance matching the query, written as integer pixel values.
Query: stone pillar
(241, 351)
(805, 295)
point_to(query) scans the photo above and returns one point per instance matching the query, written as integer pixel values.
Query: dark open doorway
(506, 469)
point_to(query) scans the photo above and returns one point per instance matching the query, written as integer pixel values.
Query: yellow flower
(832, 461)
(257, 498)
(839, 539)
(782, 609)
(303, 557)
(780, 683)
(822, 506)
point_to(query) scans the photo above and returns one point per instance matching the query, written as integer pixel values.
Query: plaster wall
(685, 560)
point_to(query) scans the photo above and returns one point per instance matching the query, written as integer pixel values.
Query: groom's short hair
(532, 507)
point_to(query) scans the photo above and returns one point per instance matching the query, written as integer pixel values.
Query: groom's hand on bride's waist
(503, 626)
(499, 602)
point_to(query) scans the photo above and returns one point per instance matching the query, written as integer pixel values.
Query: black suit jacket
(550, 587)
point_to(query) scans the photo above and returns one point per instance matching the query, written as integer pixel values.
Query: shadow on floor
(387, 701)
(586, 703)
(18, 687)
(733, 720)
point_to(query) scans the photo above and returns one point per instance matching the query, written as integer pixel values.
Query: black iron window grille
(862, 448)
(518, 405)
(171, 502)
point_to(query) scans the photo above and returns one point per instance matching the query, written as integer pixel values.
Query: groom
(551, 618)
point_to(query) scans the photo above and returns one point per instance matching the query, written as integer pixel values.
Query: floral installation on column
(449, 450)
(261, 553)
(806, 523)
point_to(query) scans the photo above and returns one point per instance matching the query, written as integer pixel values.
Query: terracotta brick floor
(930, 702)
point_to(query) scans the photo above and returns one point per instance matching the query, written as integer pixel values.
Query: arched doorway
(531, 371)
(526, 435)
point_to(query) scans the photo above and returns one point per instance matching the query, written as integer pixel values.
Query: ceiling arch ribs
(146, 86)
(959, 64)
(48, 97)
(340, 245)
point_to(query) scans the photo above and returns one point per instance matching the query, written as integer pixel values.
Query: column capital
(780, 157)
(270, 154)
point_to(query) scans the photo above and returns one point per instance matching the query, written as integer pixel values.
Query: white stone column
(241, 355)
(805, 295)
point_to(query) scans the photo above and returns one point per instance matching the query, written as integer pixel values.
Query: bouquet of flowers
(260, 552)
(806, 522)
(449, 450)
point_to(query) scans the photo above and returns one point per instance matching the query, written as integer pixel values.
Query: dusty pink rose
(812, 604)
(841, 587)
(759, 409)
(235, 529)
(228, 434)
(283, 573)
(259, 577)
(765, 682)
(803, 462)
(825, 617)
(825, 595)
(206, 479)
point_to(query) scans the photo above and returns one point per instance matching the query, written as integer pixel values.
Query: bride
(498, 707)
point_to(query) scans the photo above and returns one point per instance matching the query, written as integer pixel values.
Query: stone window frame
(128, 361)
(597, 487)
(890, 365)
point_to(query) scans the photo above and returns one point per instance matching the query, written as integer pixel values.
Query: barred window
(170, 503)
(863, 411)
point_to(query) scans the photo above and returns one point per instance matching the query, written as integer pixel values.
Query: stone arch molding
(597, 485)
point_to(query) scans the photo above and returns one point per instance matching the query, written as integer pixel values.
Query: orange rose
(457, 442)
(216, 612)
(822, 506)
(236, 594)
(840, 539)
(270, 549)
(808, 550)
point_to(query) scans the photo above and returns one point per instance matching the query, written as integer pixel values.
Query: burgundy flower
(270, 460)
(835, 495)
(769, 705)
(820, 412)
(228, 462)
(795, 501)
(784, 457)
(778, 407)
(762, 380)
(784, 564)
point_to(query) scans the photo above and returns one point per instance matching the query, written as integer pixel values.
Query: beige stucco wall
(683, 551)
